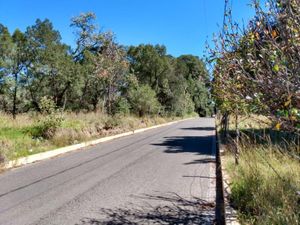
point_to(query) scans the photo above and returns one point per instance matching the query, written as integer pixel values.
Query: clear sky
(182, 25)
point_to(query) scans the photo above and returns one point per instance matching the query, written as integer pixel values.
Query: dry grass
(265, 183)
(264, 186)
(16, 139)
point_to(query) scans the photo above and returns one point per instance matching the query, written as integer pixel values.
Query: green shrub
(51, 119)
(48, 125)
(143, 100)
(111, 122)
(182, 104)
(47, 106)
(121, 106)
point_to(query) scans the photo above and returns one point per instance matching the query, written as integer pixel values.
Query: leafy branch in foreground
(257, 69)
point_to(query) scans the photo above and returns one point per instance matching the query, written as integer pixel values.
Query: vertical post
(14, 110)
(224, 125)
(109, 98)
(237, 133)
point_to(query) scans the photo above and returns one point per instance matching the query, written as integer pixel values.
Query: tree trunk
(14, 110)
(95, 103)
(65, 102)
(237, 137)
(224, 124)
(84, 90)
(109, 99)
(60, 100)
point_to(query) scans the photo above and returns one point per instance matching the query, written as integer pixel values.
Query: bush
(111, 122)
(48, 125)
(47, 106)
(121, 106)
(49, 121)
(182, 105)
(143, 100)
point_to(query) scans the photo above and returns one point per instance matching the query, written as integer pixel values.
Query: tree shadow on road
(199, 145)
(198, 128)
(165, 209)
(202, 161)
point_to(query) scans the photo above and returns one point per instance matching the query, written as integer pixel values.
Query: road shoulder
(57, 152)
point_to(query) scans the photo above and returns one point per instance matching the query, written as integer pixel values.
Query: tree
(51, 71)
(5, 54)
(13, 62)
(86, 32)
(111, 65)
(151, 66)
(103, 60)
(19, 60)
(197, 82)
(194, 68)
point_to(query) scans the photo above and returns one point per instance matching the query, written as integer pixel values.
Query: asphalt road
(161, 176)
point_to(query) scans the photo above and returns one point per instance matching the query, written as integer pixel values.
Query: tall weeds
(265, 184)
(33, 133)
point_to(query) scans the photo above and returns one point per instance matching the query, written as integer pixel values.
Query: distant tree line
(99, 74)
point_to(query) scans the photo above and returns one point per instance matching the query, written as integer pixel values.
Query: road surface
(161, 176)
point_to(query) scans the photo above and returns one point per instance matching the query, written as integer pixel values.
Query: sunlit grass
(16, 139)
(265, 183)
(264, 186)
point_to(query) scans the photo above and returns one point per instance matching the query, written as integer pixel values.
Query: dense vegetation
(98, 74)
(257, 71)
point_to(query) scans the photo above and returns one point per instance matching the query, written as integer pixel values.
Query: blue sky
(182, 25)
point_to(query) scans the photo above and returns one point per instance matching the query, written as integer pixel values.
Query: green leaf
(276, 68)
